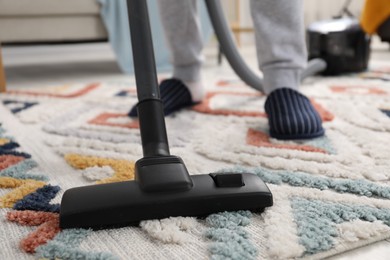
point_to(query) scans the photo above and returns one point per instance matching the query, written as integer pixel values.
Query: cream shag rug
(331, 194)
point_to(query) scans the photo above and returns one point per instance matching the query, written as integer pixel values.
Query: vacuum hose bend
(313, 67)
(228, 46)
(234, 58)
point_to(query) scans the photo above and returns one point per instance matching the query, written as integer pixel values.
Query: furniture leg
(2, 75)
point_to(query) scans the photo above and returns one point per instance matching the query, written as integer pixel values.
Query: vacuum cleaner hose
(234, 58)
(228, 46)
(313, 67)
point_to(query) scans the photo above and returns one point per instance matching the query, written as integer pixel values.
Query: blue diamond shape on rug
(123, 93)
(386, 112)
(7, 152)
(230, 239)
(66, 246)
(17, 106)
(316, 221)
(40, 200)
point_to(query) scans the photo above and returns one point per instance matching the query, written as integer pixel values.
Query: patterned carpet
(331, 194)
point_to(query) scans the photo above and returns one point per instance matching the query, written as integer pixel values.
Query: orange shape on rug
(358, 90)
(103, 119)
(78, 93)
(231, 83)
(261, 139)
(48, 227)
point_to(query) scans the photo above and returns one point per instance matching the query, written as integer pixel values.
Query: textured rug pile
(331, 194)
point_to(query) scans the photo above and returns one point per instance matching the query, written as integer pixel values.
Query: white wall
(324, 9)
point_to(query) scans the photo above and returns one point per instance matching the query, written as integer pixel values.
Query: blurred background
(46, 40)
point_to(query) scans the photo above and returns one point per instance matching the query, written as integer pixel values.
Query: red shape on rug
(358, 90)
(8, 160)
(385, 70)
(103, 119)
(78, 93)
(231, 83)
(205, 108)
(325, 115)
(48, 227)
(223, 83)
(261, 139)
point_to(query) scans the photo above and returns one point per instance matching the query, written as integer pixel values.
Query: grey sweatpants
(279, 32)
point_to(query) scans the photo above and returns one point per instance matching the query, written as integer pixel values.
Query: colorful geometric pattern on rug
(30, 199)
(331, 194)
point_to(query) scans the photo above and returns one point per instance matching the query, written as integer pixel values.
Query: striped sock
(292, 116)
(174, 95)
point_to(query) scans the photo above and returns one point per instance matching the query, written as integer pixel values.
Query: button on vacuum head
(228, 179)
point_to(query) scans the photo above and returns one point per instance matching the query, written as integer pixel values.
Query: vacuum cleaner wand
(162, 185)
(151, 117)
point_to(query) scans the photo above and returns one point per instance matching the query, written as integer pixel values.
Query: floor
(30, 66)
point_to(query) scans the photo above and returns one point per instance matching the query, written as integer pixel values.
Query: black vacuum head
(125, 203)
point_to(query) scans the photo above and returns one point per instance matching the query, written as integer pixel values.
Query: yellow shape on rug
(4, 141)
(124, 170)
(21, 189)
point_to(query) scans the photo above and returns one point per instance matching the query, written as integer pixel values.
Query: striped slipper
(174, 95)
(292, 116)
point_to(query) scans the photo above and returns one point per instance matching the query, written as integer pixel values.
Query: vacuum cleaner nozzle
(126, 203)
(162, 173)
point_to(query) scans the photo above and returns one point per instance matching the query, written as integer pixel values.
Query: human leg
(280, 41)
(282, 56)
(183, 36)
